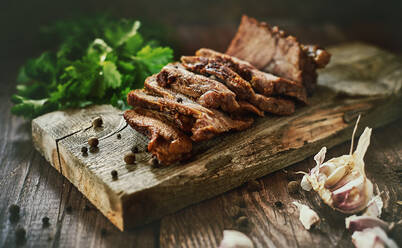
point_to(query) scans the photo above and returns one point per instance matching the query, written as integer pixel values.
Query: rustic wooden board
(142, 194)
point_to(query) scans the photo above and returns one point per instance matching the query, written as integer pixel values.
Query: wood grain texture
(202, 225)
(143, 194)
(27, 179)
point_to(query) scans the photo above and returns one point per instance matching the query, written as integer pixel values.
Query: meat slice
(206, 122)
(167, 142)
(270, 49)
(207, 92)
(211, 66)
(264, 83)
(210, 99)
(242, 88)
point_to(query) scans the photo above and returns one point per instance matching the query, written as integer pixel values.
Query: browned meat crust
(211, 66)
(264, 83)
(270, 49)
(207, 92)
(207, 122)
(242, 88)
(167, 142)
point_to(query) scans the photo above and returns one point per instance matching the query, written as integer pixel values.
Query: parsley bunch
(98, 61)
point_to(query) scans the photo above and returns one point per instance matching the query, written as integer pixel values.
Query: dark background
(211, 23)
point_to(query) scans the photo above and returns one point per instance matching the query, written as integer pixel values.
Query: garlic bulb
(341, 182)
(307, 216)
(235, 239)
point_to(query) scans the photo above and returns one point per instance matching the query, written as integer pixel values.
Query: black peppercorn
(93, 142)
(179, 100)
(103, 232)
(129, 158)
(14, 209)
(84, 149)
(114, 174)
(293, 187)
(45, 221)
(134, 149)
(14, 213)
(93, 149)
(97, 122)
(118, 136)
(20, 234)
(278, 204)
(153, 161)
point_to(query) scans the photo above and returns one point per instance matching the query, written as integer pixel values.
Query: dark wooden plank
(202, 225)
(27, 179)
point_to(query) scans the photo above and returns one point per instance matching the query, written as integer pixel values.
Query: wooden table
(28, 180)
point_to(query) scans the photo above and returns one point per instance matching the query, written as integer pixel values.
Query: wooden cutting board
(362, 79)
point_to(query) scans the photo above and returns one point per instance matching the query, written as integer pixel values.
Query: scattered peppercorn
(134, 149)
(45, 221)
(93, 149)
(14, 209)
(20, 235)
(129, 158)
(87, 208)
(242, 222)
(97, 122)
(114, 174)
(84, 149)
(278, 204)
(118, 136)
(179, 100)
(93, 142)
(103, 232)
(69, 209)
(293, 187)
(14, 213)
(253, 186)
(153, 162)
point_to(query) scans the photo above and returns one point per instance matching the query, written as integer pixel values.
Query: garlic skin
(341, 182)
(235, 239)
(372, 238)
(307, 216)
(374, 207)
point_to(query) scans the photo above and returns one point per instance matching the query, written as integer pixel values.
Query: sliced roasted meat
(207, 122)
(212, 67)
(264, 83)
(207, 92)
(274, 105)
(210, 99)
(242, 88)
(167, 143)
(270, 49)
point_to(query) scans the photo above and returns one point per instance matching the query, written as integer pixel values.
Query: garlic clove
(307, 216)
(372, 237)
(353, 196)
(235, 239)
(359, 223)
(335, 176)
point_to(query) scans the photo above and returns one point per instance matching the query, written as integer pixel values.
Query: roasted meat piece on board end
(270, 49)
